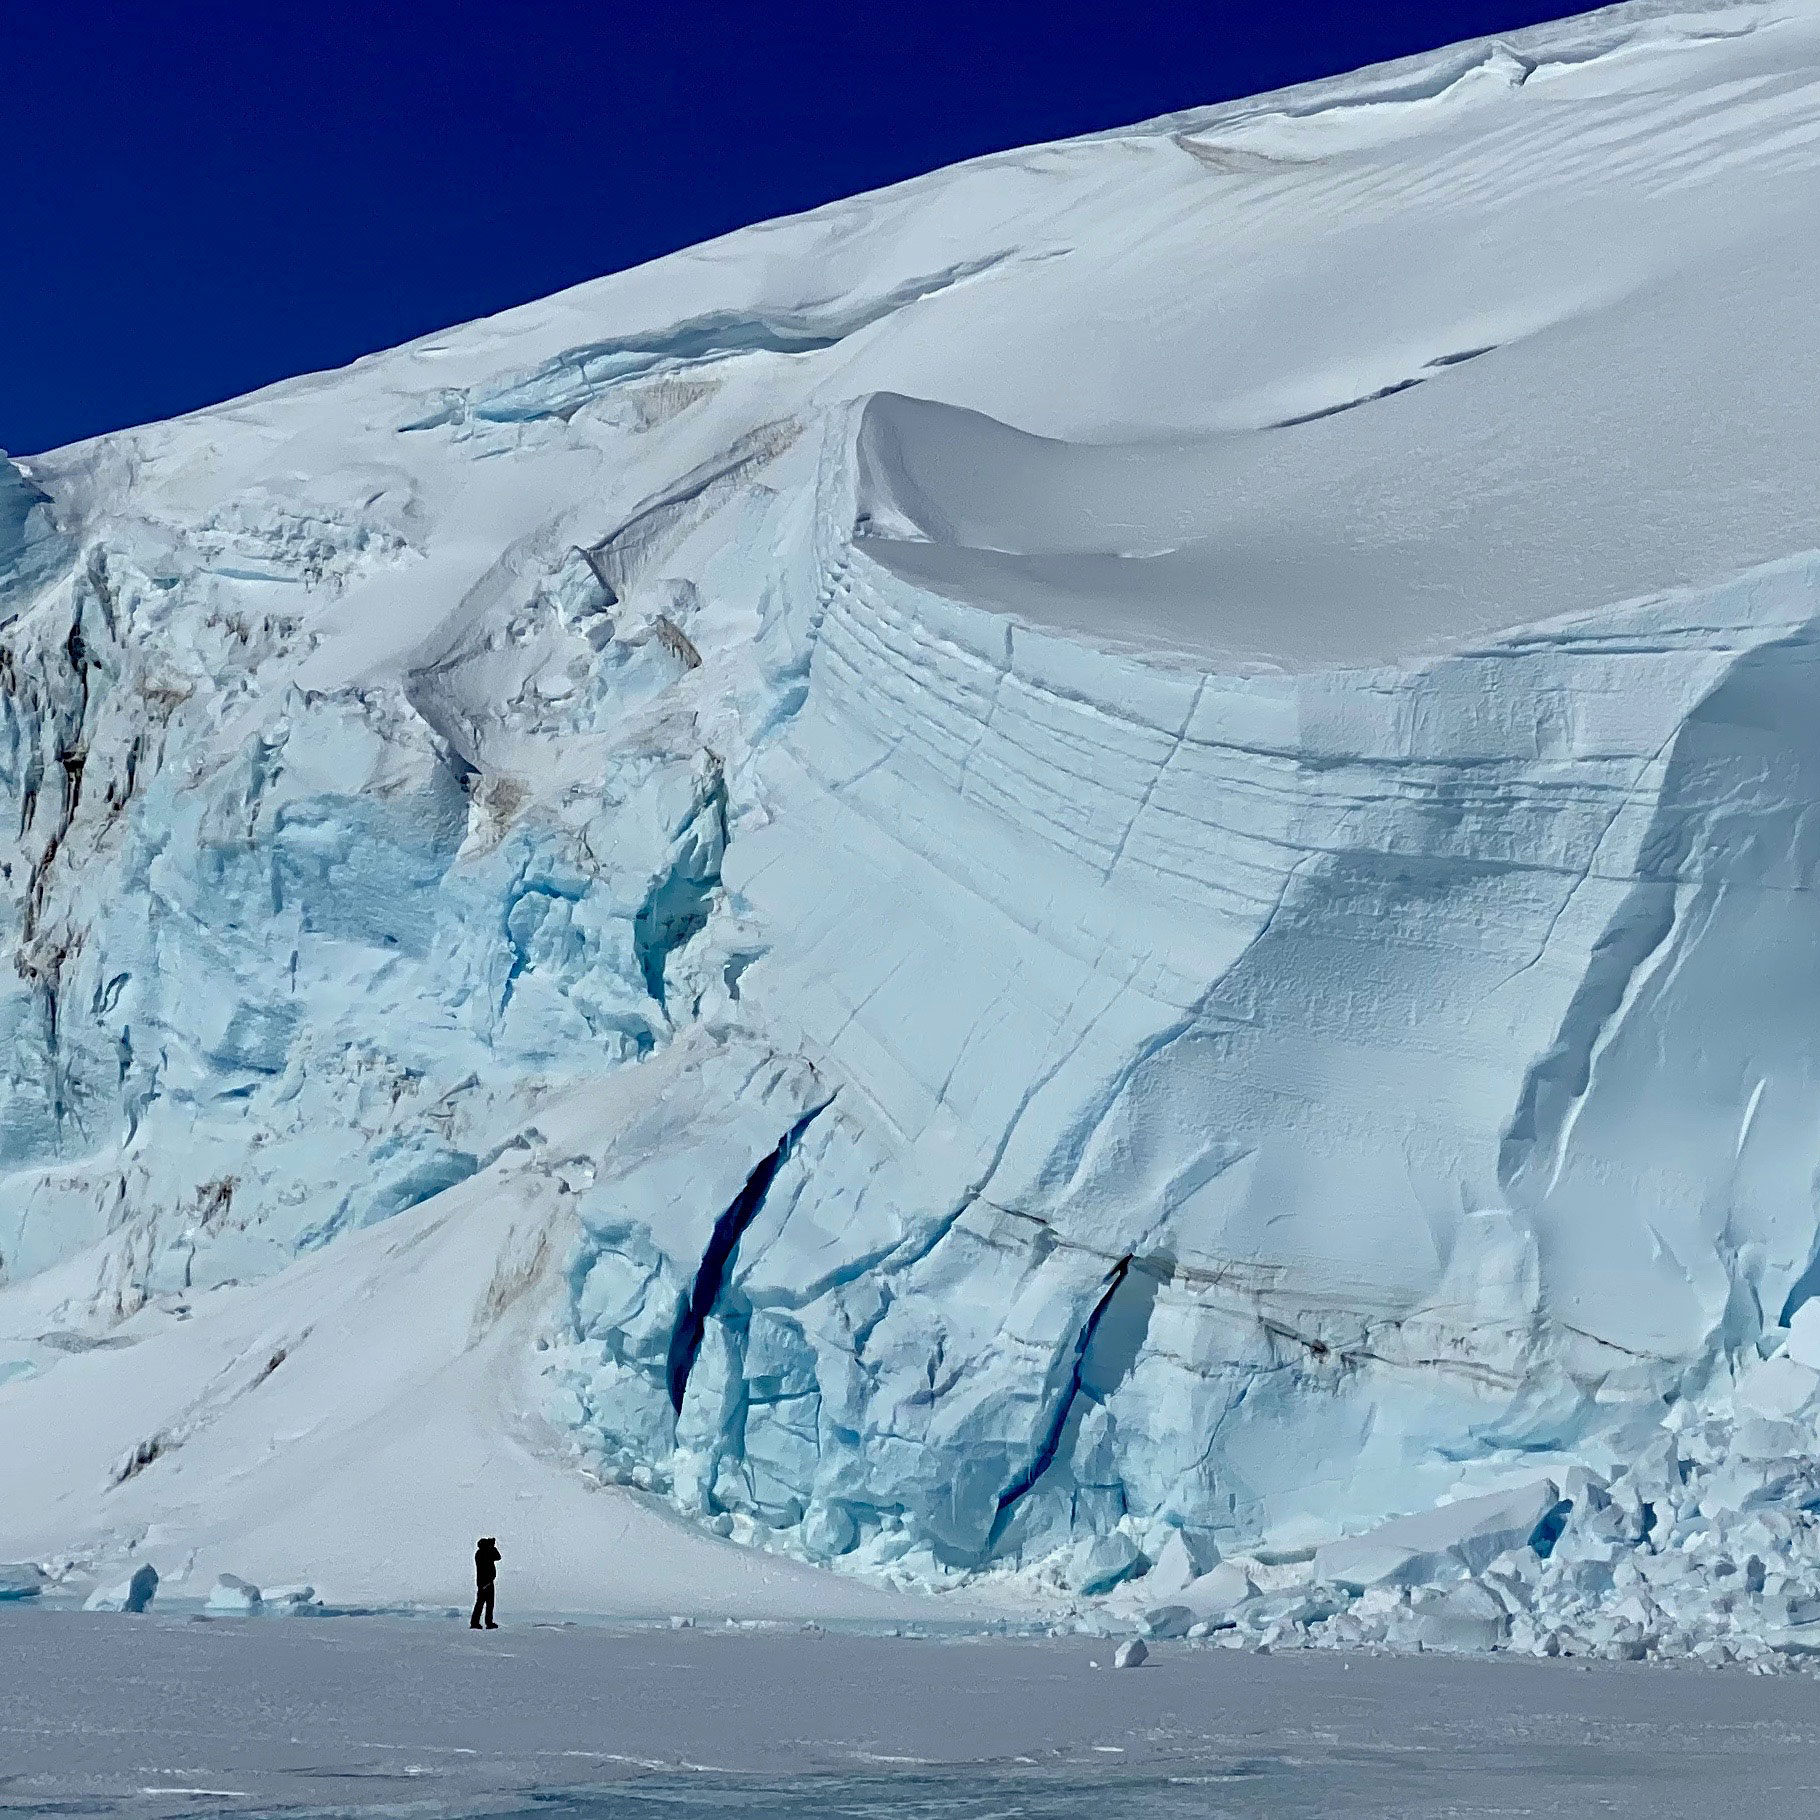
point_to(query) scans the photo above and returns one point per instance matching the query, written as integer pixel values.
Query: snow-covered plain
(1099, 863)
(159, 1719)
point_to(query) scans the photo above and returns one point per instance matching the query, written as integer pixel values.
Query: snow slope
(352, 1423)
(1116, 843)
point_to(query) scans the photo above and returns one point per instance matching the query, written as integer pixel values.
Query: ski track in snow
(1103, 862)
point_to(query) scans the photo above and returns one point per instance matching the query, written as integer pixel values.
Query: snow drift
(1115, 850)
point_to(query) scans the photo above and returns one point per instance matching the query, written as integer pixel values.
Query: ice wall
(1209, 897)
(1239, 1074)
(278, 973)
(32, 549)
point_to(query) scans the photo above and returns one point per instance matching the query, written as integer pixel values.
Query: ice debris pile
(21, 1580)
(233, 1597)
(1703, 1543)
(1099, 913)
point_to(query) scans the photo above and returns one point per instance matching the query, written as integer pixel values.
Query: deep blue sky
(201, 197)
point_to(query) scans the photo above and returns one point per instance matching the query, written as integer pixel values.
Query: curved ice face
(1113, 854)
(1225, 1059)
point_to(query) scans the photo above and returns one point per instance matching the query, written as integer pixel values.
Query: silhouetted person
(486, 1559)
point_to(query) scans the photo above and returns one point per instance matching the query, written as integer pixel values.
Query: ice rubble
(1200, 957)
(1701, 1544)
(21, 1580)
(233, 1597)
(131, 1595)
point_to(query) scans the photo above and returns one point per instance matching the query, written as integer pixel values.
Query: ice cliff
(1118, 847)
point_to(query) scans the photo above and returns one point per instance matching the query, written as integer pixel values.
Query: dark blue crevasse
(1044, 1457)
(1806, 1286)
(1548, 1532)
(676, 907)
(717, 1259)
(563, 384)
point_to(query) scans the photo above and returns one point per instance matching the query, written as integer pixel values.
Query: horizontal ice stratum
(1100, 865)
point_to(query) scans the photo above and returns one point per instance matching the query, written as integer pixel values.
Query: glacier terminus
(1092, 883)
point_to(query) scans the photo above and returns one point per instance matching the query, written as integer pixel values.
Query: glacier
(1107, 860)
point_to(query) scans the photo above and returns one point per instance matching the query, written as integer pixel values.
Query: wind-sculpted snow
(1115, 862)
(577, 377)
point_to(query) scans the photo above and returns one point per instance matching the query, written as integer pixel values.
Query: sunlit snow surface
(1115, 846)
(371, 1720)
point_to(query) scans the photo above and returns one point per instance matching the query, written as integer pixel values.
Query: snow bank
(971, 943)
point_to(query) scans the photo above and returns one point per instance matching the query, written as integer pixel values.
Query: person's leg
(480, 1594)
(489, 1596)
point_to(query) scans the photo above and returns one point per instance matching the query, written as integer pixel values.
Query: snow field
(101, 1711)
